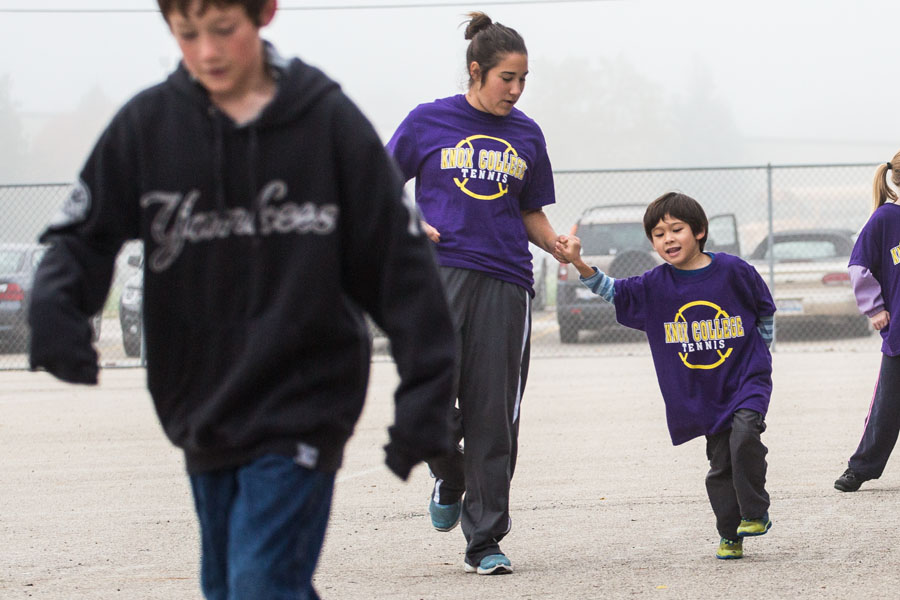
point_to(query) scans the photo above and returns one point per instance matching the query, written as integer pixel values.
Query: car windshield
(611, 238)
(11, 260)
(804, 250)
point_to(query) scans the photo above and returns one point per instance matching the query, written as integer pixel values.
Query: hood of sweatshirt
(299, 88)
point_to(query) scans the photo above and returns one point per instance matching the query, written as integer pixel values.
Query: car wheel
(132, 345)
(568, 333)
(96, 324)
(538, 303)
(540, 289)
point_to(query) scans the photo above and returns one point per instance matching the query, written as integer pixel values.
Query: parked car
(131, 300)
(18, 263)
(812, 284)
(613, 239)
(130, 308)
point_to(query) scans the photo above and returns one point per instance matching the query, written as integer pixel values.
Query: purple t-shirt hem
(709, 356)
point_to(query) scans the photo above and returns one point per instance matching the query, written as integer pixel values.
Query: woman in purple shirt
(874, 264)
(482, 177)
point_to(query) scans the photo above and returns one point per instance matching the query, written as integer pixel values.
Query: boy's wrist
(583, 269)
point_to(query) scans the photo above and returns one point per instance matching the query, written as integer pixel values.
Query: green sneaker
(752, 527)
(729, 549)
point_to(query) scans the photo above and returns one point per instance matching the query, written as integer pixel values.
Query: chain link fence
(795, 223)
(28, 209)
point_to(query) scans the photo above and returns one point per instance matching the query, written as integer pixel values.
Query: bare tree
(13, 149)
(605, 114)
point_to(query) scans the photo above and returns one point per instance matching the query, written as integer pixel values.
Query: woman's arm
(541, 233)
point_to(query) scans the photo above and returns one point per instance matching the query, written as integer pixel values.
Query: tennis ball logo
(483, 165)
(703, 334)
(895, 254)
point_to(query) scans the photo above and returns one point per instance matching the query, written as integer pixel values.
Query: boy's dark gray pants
(882, 423)
(492, 319)
(736, 482)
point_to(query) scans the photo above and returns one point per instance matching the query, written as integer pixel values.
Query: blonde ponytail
(881, 191)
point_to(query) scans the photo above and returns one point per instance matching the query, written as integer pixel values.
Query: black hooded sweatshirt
(262, 243)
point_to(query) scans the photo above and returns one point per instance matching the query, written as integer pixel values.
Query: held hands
(881, 320)
(569, 247)
(555, 249)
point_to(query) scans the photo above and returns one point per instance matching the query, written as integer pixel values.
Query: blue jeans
(262, 527)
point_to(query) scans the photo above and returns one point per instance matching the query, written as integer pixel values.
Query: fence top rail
(768, 166)
(34, 185)
(724, 168)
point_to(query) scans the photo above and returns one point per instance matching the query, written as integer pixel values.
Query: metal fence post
(143, 357)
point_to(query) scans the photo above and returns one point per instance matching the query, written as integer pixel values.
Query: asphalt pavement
(95, 503)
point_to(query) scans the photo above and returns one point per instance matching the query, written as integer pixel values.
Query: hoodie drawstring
(252, 160)
(218, 174)
(257, 297)
(218, 152)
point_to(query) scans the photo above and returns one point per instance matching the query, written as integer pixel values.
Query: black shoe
(848, 482)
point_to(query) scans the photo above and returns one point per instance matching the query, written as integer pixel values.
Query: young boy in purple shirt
(708, 318)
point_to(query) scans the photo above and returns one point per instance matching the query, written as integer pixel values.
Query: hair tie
(888, 165)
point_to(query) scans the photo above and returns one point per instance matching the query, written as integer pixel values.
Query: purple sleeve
(402, 146)
(867, 291)
(540, 191)
(765, 305)
(629, 302)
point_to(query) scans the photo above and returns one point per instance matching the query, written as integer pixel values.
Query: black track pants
(736, 482)
(882, 423)
(492, 319)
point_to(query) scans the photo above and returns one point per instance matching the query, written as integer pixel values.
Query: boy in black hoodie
(270, 213)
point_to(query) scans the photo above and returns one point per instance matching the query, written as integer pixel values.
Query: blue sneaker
(445, 517)
(493, 564)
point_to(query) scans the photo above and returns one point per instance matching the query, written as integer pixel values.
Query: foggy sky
(794, 82)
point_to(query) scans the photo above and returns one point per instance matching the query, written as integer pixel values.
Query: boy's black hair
(253, 8)
(679, 206)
